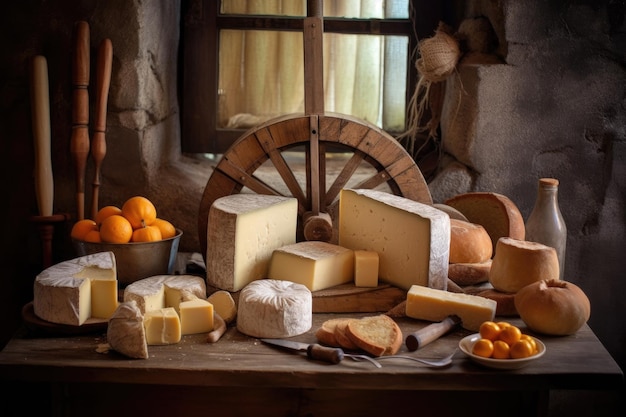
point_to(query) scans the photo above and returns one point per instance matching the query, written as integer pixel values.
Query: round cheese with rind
(274, 309)
(160, 291)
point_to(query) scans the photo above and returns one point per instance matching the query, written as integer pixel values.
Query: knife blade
(313, 350)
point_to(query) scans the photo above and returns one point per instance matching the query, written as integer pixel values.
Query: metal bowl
(137, 260)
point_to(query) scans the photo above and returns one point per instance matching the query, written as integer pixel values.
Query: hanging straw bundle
(439, 56)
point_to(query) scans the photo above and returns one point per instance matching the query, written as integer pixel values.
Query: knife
(318, 352)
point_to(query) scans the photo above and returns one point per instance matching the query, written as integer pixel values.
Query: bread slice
(341, 334)
(495, 212)
(378, 335)
(333, 333)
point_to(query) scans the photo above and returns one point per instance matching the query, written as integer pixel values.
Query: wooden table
(240, 375)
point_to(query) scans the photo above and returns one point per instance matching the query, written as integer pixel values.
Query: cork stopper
(549, 182)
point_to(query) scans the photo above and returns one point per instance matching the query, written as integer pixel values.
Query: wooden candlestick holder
(46, 224)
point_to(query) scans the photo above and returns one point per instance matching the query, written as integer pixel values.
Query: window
(244, 64)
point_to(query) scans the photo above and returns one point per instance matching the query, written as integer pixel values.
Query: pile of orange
(135, 221)
(503, 340)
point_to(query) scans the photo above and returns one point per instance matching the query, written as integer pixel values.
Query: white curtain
(262, 72)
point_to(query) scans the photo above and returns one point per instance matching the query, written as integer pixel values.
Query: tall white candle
(40, 107)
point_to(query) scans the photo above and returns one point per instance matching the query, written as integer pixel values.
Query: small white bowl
(467, 343)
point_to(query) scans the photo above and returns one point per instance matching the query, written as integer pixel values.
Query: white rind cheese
(412, 239)
(125, 331)
(155, 293)
(64, 293)
(274, 309)
(431, 304)
(243, 231)
(314, 264)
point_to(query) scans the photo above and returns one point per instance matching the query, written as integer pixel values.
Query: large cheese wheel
(274, 309)
(497, 213)
(518, 263)
(73, 291)
(469, 243)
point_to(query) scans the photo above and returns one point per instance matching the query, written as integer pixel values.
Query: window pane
(262, 76)
(364, 9)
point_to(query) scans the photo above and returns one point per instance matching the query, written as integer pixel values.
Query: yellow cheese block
(224, 305)
(365, 268)
(431, 304)
(104, 300)
(314, 264)
(196, 316)
(412, 239)
(162, 326)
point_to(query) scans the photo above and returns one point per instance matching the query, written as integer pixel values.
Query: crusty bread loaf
(378, 335)
(469, 242)
(469, 273)
(333, 333)
(495, 212)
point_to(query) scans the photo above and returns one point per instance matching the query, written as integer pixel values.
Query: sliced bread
(378, 335)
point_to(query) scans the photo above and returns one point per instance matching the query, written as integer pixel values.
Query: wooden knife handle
(323, 353)
(430, 333)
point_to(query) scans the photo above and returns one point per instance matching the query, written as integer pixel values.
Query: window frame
(200, 32)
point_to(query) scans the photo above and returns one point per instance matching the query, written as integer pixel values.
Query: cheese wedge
(412, 239)
(73, 291)
(365, 268)
(196, 316)
(125, 331)
(224, 305)
(431, 304)
(162, 327)
(243, 231)
(155, 293)
(314, 264)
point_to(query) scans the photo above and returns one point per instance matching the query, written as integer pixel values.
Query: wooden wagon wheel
(314, 133)
(391, 166)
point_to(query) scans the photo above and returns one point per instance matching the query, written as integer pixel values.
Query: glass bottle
(545, 224)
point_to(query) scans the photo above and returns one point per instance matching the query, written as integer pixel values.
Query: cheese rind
(125, 331)
(365, 268)
(196, 316)
(274, 309)
(412, 239)
(243, 231)
(431, 304)
(157, 292)
(162, 327)
(63, 292)
(316, 265)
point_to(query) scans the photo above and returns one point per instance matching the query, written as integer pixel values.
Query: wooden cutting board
(348, 298)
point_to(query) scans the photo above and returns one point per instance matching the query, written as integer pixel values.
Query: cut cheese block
(73, 291)
(155, 293)
(125, 331)
(316, 265)
(469, 273)
(224, 305)
(162, 326)
(196, 316)
(243, 231)
(469, 243)
(274, 309)
(495, 212)
(518, 263)
(435, 305)
(365, 268)
(412, 239)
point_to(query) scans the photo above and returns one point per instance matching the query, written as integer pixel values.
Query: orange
(146, 234)
(503, 324)
(139, 211)
(531, 340)
(510, 335)
(522, 349)
(105, 212)
(501, 350)
(489, 330)
(82, 227)
(116, 229)
(167, 229)
(483, 347)
(93, 236)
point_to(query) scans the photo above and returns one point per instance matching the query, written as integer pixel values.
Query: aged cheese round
(469, 243)
(274, 309)
(518, 263)
(157, 292)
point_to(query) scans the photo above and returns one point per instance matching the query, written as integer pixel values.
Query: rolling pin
(40, 104)
(79, 142)
(98, 142)
(430, 333)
